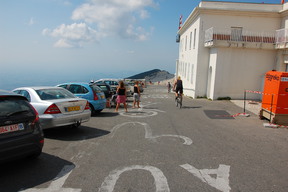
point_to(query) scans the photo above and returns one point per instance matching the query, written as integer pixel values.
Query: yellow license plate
(74, 108)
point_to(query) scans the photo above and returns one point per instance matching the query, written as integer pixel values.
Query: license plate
(74, 108)
(11, 128)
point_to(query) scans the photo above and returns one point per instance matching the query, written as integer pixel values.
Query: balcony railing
(282, 36)
(239, 36)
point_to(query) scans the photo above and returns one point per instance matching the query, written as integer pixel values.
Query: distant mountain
(154, 75)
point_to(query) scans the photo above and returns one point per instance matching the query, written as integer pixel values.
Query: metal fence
(238, 34)
(282, 36)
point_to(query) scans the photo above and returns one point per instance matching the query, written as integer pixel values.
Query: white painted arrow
(222, 176)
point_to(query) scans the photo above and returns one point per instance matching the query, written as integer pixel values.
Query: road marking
(160, 179)
(222, 176)
(155, 96)
(139, 113)
(148, 132)
(58, 182)
(142, 112)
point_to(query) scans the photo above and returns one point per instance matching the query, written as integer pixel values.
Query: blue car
(90, 92)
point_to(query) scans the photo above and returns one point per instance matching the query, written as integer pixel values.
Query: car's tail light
(52, 109)
(87, 107)
(95, 95)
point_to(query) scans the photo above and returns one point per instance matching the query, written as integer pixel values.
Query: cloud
(116, 17)
(108, 18)
(73, 35)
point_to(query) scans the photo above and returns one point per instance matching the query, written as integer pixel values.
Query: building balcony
(282, 39)
(239, 38)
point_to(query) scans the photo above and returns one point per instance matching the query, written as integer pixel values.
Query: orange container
(275, 98)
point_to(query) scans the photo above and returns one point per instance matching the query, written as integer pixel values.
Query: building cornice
(198, 11)
(284, 13)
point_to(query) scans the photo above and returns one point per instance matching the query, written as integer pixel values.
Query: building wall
(226, 71)
(188, 57)
(238, 69)
(256, 23)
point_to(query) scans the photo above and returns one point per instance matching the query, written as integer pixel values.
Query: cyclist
(178, 86)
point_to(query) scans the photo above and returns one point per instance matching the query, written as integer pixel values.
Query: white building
(226, 48)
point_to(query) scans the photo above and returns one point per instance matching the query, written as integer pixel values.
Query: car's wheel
(98, 111)
(92, 109)
(35, 155)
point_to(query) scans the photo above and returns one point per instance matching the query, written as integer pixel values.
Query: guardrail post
(244, 101)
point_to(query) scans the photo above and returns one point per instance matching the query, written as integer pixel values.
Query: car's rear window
(13, 106)
(50, 94)
(96, 89)
(103, 87)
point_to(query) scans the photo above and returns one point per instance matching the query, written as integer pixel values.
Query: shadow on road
(74, 134)
(191, 107)
(218, 114)
(28, 173)
(105, 114)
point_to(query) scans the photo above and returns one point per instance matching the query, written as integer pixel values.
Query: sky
(46, 42)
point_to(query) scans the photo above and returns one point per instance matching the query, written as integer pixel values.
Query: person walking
(169, 87)
(136, 95)
(121, 96)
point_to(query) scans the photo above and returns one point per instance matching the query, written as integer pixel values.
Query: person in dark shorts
(121, 96)
(178, 86)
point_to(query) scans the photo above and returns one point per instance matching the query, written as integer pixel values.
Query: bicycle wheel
(180, 102)
(176, 101)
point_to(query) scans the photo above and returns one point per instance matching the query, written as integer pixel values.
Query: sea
(11, 81)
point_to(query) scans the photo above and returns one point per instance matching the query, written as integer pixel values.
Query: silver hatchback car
(56, 106)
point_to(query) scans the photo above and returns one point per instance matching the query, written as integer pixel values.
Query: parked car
(91, 92)
(140, 86)
(129, 89)
(56, 106)
(20, 132)
(112, 82)
(106, 89)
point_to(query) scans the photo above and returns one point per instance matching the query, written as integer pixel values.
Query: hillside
(154, 75)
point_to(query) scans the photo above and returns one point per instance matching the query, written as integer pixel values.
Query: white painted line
(187, 140)
(222, 176)
(148, 132)
(138, 113)
(58, 182)
(160, 179)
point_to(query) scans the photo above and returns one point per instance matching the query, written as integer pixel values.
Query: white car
(56, 106)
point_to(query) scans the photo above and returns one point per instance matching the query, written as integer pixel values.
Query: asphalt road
(158, 147)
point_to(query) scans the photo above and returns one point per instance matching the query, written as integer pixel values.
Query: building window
(188, 72)
(192, 73)
(286, 68)
(194, 41)
(186, 43)
(190, 46)
(236, 33)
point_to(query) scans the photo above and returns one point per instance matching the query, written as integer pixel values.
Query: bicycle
(178, 100)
